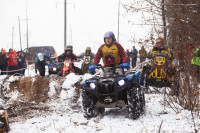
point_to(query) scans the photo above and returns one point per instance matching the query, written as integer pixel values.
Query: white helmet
(40, 57)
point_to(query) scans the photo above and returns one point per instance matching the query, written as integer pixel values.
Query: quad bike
(67, 67)
(4, 125)
(54, 67)
(158, 74)
(110, 89)
(85, 64)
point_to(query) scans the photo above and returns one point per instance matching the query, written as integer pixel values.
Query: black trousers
(41, 69)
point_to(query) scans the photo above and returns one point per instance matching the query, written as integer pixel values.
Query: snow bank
(70, 80)
(52, 90)
(68, 90)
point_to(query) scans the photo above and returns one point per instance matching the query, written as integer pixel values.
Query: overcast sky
(88, 20)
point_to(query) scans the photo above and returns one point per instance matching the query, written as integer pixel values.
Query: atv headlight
(54, 69)
(92, 85)
(121, 82)
(67, 64)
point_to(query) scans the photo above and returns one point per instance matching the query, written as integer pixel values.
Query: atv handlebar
(114, 67)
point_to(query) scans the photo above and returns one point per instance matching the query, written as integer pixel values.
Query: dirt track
(33, 97)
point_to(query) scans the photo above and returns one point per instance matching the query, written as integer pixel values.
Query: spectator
(133, 56)
(143, 54)
(21, 63)
(1, 63)
(5, 61)
(12, 62)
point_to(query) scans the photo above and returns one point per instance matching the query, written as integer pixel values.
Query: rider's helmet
(87, 51)
(69, 48)
(159, 43)
(10, 50)
(110, 34)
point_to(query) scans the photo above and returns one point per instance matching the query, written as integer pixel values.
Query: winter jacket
(12, 60)
(84, 54)
(155, 51)
(115, 49)
(64, 56)
(133, 54)
(2, 61)
(43, 62)
(21, 62)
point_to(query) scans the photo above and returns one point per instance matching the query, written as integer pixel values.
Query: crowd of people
(12, 62)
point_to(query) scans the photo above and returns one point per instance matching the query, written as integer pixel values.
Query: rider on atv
(111, 47)
(68, 54)
(87, 53)
(160, 72)
(87, 58)
(160, 48)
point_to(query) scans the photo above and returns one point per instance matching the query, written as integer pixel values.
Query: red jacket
(120, 49)
(12, 60)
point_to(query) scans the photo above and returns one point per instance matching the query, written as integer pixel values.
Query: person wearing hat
(2, 62)
(40, 62)
(21, 62)
(133, 56)
(12, 63)
(160, 48)
(87, 53)
(110, 48)
(143, 54)
(68, 54)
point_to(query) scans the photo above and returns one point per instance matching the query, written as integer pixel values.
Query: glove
(92, 68)
(124, 65)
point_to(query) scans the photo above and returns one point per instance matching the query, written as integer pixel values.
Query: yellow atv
(158, 73)
(4, 126)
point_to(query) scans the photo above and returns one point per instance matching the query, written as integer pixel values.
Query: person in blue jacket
(133, 56)
(21, 62)
(40, 62)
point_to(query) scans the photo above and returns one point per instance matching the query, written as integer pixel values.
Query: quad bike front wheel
(136, 102)
(88, 106)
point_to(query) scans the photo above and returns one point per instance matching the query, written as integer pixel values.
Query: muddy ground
(33, 99)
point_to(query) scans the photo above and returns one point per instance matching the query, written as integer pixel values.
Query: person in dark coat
(21, 63)
(6, 58)
(143, 54)
(69, 54)
(2, 64)
(133, 56)
(40, 62)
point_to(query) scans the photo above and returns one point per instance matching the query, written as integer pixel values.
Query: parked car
(32, 52)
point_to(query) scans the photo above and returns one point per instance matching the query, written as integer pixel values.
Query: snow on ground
(64, 115)
(114, 121)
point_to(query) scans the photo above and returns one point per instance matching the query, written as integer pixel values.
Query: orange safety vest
(113, 50)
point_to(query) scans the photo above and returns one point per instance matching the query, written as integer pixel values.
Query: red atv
(67, 67)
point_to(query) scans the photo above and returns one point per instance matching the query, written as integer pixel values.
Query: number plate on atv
(159, 58)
